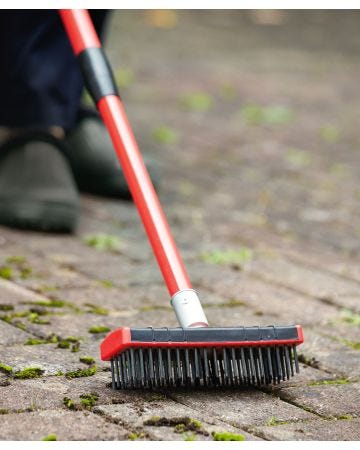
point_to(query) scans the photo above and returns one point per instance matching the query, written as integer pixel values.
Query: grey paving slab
(330, 353)
(326, 399)
(65, 425)
(167, 420)
(242, 408)
(317, 430)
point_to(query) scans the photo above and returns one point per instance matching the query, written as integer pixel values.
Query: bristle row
(184, 367)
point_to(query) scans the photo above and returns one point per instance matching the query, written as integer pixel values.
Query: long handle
(100, 83)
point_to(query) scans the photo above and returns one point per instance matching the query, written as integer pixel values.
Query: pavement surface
(253, 118)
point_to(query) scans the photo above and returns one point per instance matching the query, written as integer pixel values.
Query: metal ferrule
(188, 309)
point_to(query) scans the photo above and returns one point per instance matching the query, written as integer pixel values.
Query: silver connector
(188, 309)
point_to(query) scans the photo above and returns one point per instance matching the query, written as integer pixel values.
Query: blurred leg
(40, 83)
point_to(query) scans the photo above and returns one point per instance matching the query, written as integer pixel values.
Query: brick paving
(262, 166)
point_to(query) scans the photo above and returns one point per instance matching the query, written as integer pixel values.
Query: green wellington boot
(37, 188)
(94, 162)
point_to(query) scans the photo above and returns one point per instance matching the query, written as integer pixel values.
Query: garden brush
(193, 354)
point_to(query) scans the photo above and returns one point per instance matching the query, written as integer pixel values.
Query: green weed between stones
(226, 436)
(189, 436)
(273, 421)
(326, 382)
(234, 258)
(96, 329)
(94, 309)
(102, 241)
(4, 411)
(352, 344)
(197, 101)
(88, 360)
(135, 436)
(63, 343)
(50, 303)
(106, 283)
(298, 159)
(6, 307)
(254, 114)
(21, 265)
(330, 134)
(68, 403)
(350, 317)
(29, 372)
(124, 77)
(88, 400)
(50, 437)
(180, 424)
(164, 135)
(7, 370)
(79, 373)
(6, 272)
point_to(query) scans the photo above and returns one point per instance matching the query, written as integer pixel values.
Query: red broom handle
(82, 35)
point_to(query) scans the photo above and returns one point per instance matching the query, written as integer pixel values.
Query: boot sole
(39, 215)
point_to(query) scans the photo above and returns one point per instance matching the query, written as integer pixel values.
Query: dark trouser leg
(40, 83)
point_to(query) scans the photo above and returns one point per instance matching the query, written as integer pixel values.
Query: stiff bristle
(206, 366)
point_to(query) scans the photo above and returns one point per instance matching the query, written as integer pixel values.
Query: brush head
(184, 357)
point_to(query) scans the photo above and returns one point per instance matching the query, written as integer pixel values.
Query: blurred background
(253, 116)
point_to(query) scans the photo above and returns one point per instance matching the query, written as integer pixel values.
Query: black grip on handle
(98, 77)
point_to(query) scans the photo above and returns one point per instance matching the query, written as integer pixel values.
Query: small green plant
(254, 114)
(6, 307)
(68, 403)
(326, 382)
(124, 77)
(353, 344)
(135, 436)
(102, 241)
(97, 309)
(79, 373)
(197, 101)
(273, 421)
(4, 368)
(330, 134)
(6, 272)
(350, 317)
(4, 411)
(88, 400)
(226, 436)
(164, 135)
(51, 303)
(106, 283)
(298, 158)
(88, 360)
(50, 437)
(17, 260)
(96, 329)
(29, 372)
(234, 258)
(189, 436)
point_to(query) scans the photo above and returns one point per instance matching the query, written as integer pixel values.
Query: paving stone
(47, 357)
(113, 298)
(49, 392)
(166, 410)
(10, 335)
(317, 430)
(327, 400)
(242, 408)
(66, 425)
(310, 281)
(330, 354)
(265, 298)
